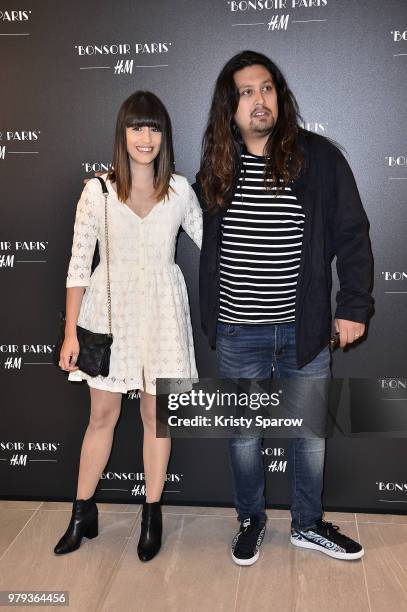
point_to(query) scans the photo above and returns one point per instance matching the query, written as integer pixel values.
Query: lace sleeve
(192, 220)
(84, 239)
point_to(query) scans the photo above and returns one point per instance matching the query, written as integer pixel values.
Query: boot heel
(92, 531)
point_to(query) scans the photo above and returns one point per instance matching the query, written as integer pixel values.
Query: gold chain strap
(109, 302)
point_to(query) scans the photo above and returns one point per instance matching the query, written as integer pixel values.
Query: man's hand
(349, 331)
(85, 180)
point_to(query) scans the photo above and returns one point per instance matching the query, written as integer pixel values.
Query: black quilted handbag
(94, 348)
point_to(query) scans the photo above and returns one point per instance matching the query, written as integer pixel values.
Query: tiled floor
(194, 571)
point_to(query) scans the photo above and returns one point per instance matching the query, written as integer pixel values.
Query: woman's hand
(69, 354)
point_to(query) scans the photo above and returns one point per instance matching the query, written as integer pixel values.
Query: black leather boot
(151, 530)
(84, 522)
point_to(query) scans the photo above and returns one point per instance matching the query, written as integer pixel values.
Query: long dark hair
(142, 108)
(222, 139)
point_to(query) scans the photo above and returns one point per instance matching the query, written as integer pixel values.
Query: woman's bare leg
(97, 442)
(156, 451)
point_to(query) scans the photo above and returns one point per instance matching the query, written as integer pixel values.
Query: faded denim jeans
(261, 352)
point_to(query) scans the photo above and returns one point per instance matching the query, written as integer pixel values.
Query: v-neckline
(138, 216)
(128, 207)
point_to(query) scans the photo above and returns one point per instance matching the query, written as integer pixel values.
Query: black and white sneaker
(326, 538)
(247, 542)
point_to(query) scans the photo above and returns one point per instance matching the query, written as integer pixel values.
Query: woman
(152, 334)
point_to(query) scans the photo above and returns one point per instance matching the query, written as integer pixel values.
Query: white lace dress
(151, 326)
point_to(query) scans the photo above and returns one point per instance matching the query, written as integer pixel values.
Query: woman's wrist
(70, 332)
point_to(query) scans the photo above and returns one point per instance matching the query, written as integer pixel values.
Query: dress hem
(99, 384)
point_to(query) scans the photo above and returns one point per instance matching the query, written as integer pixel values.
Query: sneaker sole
(246, 561)
(330, 553)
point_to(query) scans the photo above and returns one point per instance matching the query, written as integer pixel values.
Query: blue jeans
(259, 351)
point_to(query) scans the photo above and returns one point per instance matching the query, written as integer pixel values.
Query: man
(279, 203)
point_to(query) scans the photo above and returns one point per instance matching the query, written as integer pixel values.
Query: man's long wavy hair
(222, 140)
(142, 108)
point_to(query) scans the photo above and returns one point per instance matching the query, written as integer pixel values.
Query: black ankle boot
(84, 522)
(151, 530)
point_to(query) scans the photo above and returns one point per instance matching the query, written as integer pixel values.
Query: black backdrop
(66, 68)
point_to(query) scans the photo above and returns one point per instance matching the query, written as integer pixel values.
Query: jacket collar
(303, 142)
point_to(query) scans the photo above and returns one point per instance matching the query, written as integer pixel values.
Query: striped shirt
(260, 254)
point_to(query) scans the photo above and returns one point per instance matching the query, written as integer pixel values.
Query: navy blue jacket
(335, 225)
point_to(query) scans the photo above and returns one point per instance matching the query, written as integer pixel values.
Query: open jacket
(335, 225)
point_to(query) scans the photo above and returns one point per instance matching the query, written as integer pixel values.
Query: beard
(262, 127)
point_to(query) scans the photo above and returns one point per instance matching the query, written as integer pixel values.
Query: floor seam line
(116, 566)
(363, 568)
(21, 530)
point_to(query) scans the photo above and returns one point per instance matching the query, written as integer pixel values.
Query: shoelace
(333, 530)
(325, 525)
(250, 534)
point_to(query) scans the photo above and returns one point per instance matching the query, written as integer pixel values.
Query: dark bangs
(143, 109)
